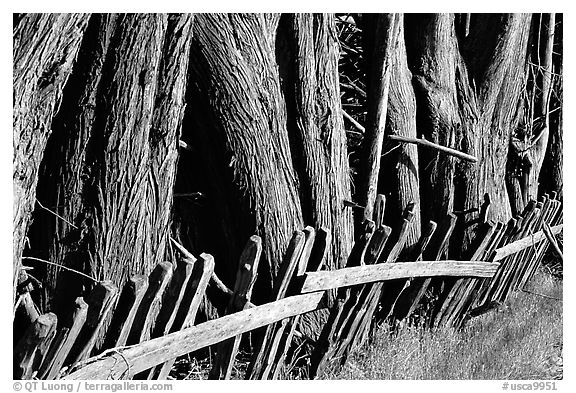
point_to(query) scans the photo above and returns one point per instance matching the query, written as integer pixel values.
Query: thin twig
(56, 214)
(214, 279)
(16, 306)
(62, 266)
(358, 126)
(554, 110)
(184, 145)
(543, 70)
(391, 150)
(541, 295)
(182, 249)
(353, 86)
(220, 285)
(189, 194)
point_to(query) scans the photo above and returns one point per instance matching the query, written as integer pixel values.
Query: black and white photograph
(286, 196)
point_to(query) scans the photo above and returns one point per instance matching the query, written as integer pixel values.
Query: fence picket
(63, 341)
(150, 304)
(125, 312)
(287, 269)
(100, 301)
(186, 314)
(32, 347)
(245, 277)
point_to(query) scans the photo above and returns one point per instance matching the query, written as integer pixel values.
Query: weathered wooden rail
(153, 322)
(152, 352)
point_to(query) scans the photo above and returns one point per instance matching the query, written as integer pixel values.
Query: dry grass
(522, 341)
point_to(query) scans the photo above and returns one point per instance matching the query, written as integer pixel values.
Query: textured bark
(45, 47)
(399, 178)
(547, 64)
(551, 176)
(315, 123)
(530, 149)
(166, 128)
(115, 148)
(65, 167)
(467, 94)
(433, 58)
(127, 97)
(386, 28)
(496, 58)
(307, 53)
(242, 127)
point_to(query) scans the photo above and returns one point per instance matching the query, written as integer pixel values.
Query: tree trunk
(114, 152)
(64, 171)
(530, 141)
(385, 32)
(433, 57)
(466, 99)
(399, 178)
(551, 176)
(269, 138)
(166, 128)
(240, 126)
(496, 55)
(318, 139)
(45, 47)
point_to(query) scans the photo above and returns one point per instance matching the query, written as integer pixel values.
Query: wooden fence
(153, 322)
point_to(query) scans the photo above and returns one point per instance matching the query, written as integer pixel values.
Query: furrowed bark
(244, 123)
(166, 128)
(551, 176)
(432, 50)
(318, 130)
(126, 101)
(399, 174)
(530, 139)
(386, 33)
(467, 101)
(496, 57)
(119, 137)
(45, 48)
(65, 166)
(307, 51)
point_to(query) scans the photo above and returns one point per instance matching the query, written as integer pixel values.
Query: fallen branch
(426, 143)
(541, 295)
